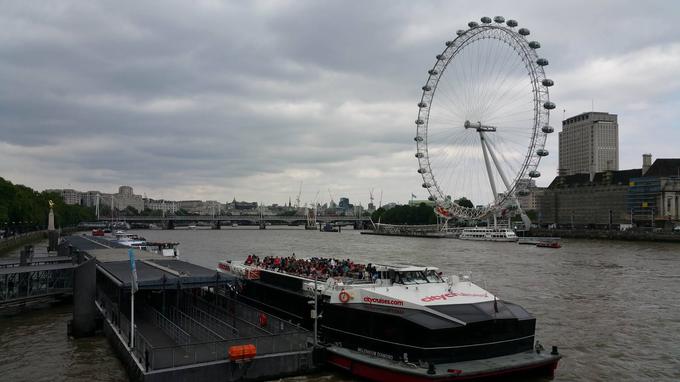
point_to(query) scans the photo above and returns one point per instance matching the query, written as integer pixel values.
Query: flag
(133, 268)
(413, 196)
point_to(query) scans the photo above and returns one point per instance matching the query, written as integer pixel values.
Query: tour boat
(398, 322)
(488, 234)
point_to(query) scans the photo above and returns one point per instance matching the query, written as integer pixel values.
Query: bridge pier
(217, 225)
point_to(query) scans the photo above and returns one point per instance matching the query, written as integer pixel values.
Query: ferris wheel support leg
(523, 215)
(485, 147)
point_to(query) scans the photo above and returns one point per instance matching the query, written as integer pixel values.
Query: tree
(24, 209)
(464, 202)
(412, 215)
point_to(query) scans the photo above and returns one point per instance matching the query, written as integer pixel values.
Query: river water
(613, 308)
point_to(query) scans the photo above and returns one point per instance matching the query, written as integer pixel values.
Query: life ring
(263, 319)
(344, 297)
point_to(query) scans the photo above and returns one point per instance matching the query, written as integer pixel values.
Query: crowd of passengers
(322, 267)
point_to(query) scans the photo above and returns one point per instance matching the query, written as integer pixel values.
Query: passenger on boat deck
(322, 267)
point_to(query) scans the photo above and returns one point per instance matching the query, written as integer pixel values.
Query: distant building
(584, 201)
(91, 198)
(656, 195)
(166, 206)
(528, 195)
(126, 198)
(344, 204)
(616, 197)
(589, 143)
(191, 206)
(234, 205)
(69, 196)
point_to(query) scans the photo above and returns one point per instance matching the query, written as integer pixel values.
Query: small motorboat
(549, 244)
(97, 232)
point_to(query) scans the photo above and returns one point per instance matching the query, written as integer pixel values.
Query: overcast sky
(246, 99)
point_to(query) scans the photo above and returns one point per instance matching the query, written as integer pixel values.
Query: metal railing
(175, 356)
(212, 322)
(168, 326)
(192, 326)
(201, 332)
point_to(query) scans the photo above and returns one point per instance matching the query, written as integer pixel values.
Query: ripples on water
(611, 307)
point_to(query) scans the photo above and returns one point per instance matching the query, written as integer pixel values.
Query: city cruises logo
(384, 301)
(445, 296)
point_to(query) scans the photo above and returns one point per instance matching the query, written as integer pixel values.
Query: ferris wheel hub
(478, 126)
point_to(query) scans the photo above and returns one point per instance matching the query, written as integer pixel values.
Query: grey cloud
(175, 95)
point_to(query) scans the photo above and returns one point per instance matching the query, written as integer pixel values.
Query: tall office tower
(589, 143)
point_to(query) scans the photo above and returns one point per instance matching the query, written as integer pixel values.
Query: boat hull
(379, 369)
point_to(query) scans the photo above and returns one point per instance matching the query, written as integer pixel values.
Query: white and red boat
(398, 322)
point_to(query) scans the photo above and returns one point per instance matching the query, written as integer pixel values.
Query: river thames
(610, 306)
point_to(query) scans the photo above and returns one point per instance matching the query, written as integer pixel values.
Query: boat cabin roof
(403, 267)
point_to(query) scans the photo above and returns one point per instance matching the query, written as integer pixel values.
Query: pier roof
(154, 271)
(163, 274)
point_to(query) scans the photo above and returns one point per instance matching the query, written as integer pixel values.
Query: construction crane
(370, 192)
(380, 202)
(331, 195)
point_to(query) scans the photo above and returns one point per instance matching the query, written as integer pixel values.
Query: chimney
(646, 163)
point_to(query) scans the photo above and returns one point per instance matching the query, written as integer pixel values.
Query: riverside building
(589, 143)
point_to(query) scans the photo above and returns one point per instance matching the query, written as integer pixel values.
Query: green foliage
(464, 202)
(24, 209)
(421, 214)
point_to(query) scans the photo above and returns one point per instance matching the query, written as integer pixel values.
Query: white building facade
(589, 143)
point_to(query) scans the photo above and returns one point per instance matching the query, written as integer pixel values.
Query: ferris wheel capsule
(511, 23)
(524, 32)
(547, 82)
(542, 62)
(542, 152)
(419, 122)
(486, 20)
(427, 185)
(473, 24)
(433, 72)
(448, 43)
(534, 44)
(499, 19)
(418, 138)
(534, 174)
(419, 155)
(460, 32)
(422, 104)
(426, 88)
(547, 129)
(549, 105)
(422, 170)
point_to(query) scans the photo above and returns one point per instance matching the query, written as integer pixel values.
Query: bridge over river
(219, 220)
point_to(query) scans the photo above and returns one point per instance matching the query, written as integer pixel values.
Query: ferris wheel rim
(526, 51)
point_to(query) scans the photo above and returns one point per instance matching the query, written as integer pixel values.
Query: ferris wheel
(483, 119)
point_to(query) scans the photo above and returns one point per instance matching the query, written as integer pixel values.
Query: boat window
(411, 277)
(433, 277)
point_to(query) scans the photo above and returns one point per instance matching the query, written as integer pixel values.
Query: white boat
(396, 322)
(488, 234)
